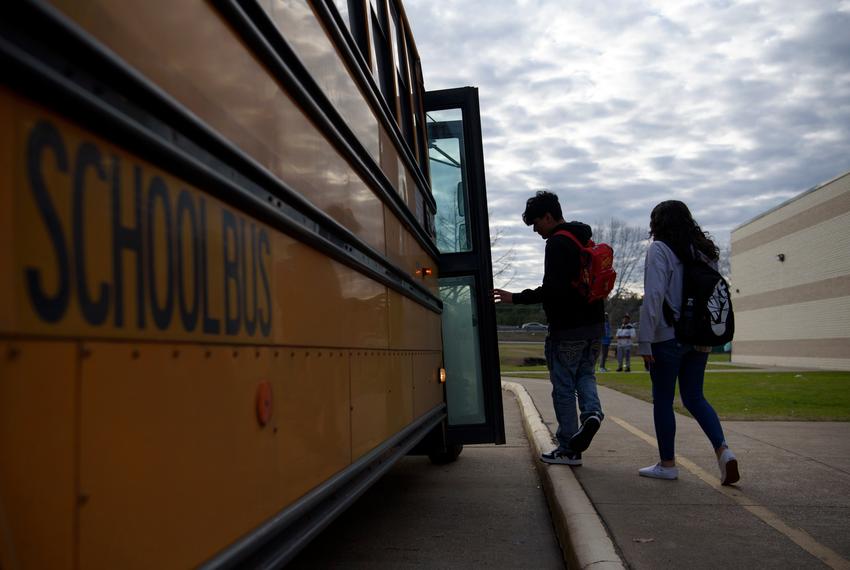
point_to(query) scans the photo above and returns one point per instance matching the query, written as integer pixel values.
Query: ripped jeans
(571, 364)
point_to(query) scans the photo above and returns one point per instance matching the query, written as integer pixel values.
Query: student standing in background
(625, 336)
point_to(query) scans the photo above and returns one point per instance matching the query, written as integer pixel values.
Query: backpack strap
(684, 257)
(571, 236)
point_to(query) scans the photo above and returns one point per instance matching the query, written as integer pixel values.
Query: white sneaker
(728, 464)
(658, 471)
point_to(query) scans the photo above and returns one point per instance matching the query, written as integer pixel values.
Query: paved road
(486, 510)
(791, 509)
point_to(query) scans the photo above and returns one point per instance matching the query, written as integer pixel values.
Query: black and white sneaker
(582, 438)
(561, 457)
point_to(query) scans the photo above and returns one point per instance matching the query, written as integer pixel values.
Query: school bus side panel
(414, 327)
(167, 404)
(174, 462)
(406, 253)
(192, 46)
(181, 306)
(38, 495)
(7, 215)
(321, 302)
(381, 398)
(118, 248)
(427, 389)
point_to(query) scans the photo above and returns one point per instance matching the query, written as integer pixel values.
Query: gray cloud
(616, 105)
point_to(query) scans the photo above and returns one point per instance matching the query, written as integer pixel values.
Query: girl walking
(676, 236)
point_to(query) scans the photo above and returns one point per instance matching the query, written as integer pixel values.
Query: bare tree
(724, 264)
(629, 244)
(503, 264)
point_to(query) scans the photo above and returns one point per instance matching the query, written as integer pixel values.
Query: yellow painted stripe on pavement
(800, 537)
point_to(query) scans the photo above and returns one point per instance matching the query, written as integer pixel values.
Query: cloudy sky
(731, 106)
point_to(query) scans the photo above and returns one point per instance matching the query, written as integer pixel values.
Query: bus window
(464, 388)
(448, 179)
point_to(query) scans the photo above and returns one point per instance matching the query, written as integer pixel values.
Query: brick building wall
(791, 282)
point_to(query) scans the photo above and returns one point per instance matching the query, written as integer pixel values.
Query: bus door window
(448, 179)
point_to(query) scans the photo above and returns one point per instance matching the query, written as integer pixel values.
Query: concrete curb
(584, 540)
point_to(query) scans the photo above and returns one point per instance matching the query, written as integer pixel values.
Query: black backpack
(705, 317)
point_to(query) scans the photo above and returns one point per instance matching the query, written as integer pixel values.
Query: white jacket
(662, 280)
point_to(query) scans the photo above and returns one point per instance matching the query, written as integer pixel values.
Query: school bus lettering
(45, 138)
(186, 210)
(263, 244)
(88, 157)
(195, 262)
(129, 239)
(162, 312)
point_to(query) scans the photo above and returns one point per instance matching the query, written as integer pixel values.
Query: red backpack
(596, 276)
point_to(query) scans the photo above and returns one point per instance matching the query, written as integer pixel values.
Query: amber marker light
(442, 375)
(425, 272)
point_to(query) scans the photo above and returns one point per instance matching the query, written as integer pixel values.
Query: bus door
(470, 347)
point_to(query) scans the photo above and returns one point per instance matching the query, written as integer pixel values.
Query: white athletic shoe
(728, 464)
(658, 471)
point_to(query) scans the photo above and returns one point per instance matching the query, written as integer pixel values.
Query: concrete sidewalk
(790, 510)
(486, 510)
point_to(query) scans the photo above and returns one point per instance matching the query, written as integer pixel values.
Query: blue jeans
(571, 364)
(673, 360)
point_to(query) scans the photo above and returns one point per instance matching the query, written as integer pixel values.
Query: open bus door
(470, 345)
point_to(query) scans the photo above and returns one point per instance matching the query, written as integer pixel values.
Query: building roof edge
(789, 201)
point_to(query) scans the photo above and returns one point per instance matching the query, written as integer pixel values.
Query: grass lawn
(810, 396)
(720, 357)
(512, 354)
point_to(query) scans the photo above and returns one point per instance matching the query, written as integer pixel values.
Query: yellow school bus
(244, 264)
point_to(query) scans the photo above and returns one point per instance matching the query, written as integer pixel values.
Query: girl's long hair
(671, 222)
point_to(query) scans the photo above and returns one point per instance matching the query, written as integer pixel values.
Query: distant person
(575, 327)
(625, 337)
(606, 343)
(676, 236)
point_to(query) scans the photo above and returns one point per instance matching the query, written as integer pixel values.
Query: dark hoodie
(569, 314)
